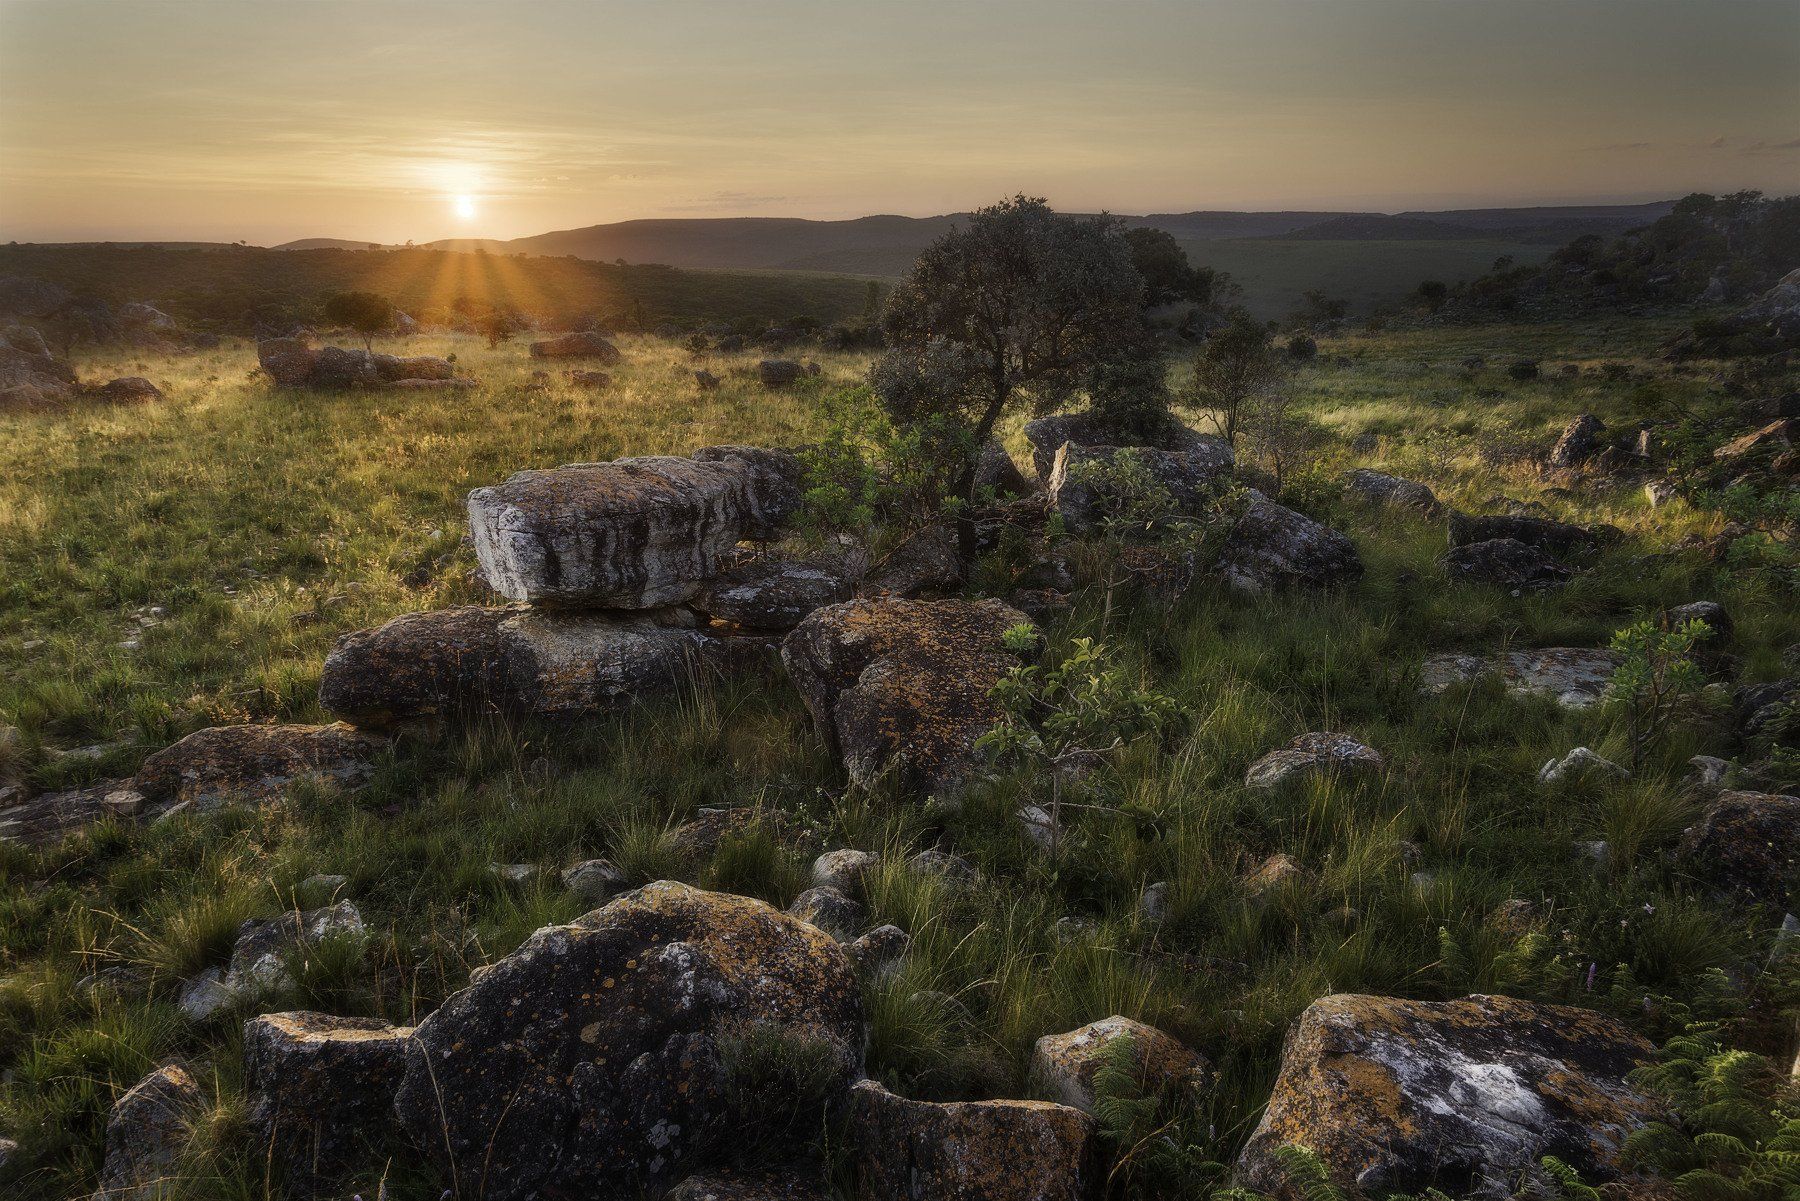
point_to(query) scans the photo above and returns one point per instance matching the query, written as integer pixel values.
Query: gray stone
(844, 870)
(1273, 547)
(1578, 763)
(594, 880)
(1309, 755)
(146, 1133)
(1393, 492)
(831, 911)
(1573, 677)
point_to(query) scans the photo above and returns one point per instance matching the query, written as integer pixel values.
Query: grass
(264, 524)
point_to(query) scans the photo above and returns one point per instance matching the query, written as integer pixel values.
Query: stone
(1393, 492)
(1277, 871)
(514, 873)
(583, 344)
(1709, 770)
(130, 389)
(26, 340)
(592, 1060)
(1579, 763)
(902, 686)
(47, 378)
(1046, 436)
(700, 838)
(1582, 439)
(907, 1150)
(1466, 1096)
(146, 1132)
(773, 493)
(1554, 537)
(1574, 677)
(470, 661)
(593, 381)
(1717, 619)
(1761, 708)
(778, 373)
(205, 996)
(772, 594)
(1080, 490)
(1747, 845)
(1153, 903)
(831, 911)
(1506, 563)
(879, 950)
(844, 869)
(288, 361)
(1273, 547)
(767, 1185)
(706, 381)
(594, 880)
(321, 1093)
(259, 957)
(49, 817)
(1038, 826)
(929, 561)
(256, 764)
(1066, 1064)
(952, 868)
(995, 469)
(395, 369)
(1312, 755)
(1515, 917)
(1772, 438)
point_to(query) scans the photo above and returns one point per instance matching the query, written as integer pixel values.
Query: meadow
(190, 562)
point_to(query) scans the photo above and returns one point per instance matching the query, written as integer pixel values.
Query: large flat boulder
(1089, 484)
(463, 662)
(1465, 1096)
(1273, 547)
(1393, 492)
(592, 1061)
(902, 686)
(1320, 753)
(1574, 677)
(774, 492)
(583, 344)
(255, 764)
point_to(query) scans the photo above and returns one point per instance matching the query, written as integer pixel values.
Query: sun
(464, 204)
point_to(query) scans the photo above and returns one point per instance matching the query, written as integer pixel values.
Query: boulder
(706, 381)
(467, 661)
(928, 561)
(593, 1060)
(766, 1185)
(1581, 440)
(49, 817)
(146, 1132)
(995, 469)
(831, 911)
(321, 1095)
(1772, 438)
(596, 881)
(31, 378)
(130, 389)
(778, 373)
(1046, 436)
(1747, 845)
(1277, 871)
(1081, 478)
(259, 958)
(1760, 709)
(1715, 615)
(1393, 492)
(1555, 537)
(951, 868)
(1572, 676)
(1311, 755)
(593, 381)
(970, 1150)
(288, 361)
(700, 838)
(583, 344)
(1273, 547)
(844, 870)
(880, 949)
(394, 368)
(1505, 563)
(1066, 1064)
(336, 367)
(1578, 763)
(773, 493)
(772, 594)
(902, 686)
(1466, 1096)
(255, 764)
(25, 340)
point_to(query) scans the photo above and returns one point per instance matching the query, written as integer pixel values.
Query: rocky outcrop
(1393, 492)
(584, 344)
(1554, 537)
(772, 594)
(1574, 677)
(464, 662)
(928, 562)
(1083, 484)
(1465, 1096)
(773, 493)
(321, 1094)
(296, 363)
(1747, 845)
(1272, 547)
(1773, 438)
(146, 1132)
(1046, 436)
(902, 686)
(1582, 440)
(1506, 563)
(255, 764)
(593, 1060)
(1312, 755)
(970, 1150)
(1066, 1064)
(29, 375)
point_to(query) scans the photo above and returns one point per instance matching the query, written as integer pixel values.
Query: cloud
(725, 200)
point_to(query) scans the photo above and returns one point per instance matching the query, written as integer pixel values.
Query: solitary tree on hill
(368, 313)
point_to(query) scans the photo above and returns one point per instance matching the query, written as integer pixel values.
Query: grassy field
(190, 562)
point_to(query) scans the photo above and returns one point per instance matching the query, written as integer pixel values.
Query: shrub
(1235, 366)
(368, 313)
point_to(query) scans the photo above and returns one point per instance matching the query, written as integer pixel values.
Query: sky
(389, 120)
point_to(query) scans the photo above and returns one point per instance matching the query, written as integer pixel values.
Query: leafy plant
(1657, 674)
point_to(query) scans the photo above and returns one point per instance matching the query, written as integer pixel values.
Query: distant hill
(1374, 227)
(324, 244)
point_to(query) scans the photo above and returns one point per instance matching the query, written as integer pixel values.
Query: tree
(1433, 293)
(1168, 276)
(368, 313)
(1236, 365)
(1318, 309)
(1018, 303)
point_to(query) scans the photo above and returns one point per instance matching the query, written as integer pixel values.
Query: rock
(1466, 1096)
(1393, 492)
(1515, 917)
(9, 1150)
(1709, 770)
(583, 344)
(514, 873)
(1556, 537)
(629, 534)
(995, 469)
(256, 764)
(259, 958)
(146, 1132)
(706, 381)
(844, 870)
(1578, 763)
(1080, 486)
(28, 375)
(468, 661)
(773, 491)
(124, 802)
(1505, 563)
(831, 911)
(591, 380)
(22, 296)
(1153, 904)
(954, 869)
(1747, 844)
(1273, 547)
(1523, 369)
(138, 315)
(1573, 677)
(777, 1185)
(205, 996)
(879, 949)
(288, 361)
(1660, 492)
(1581, 440)
(1277, 871)
(395, 369)
(1066, 1064)
(1047, 435)
(902, 686)
(772, 594)
(1311, 755)
(1772, 438)
(130, 389)
(336, 367)
(700, 838)
(1761, 708)
(321, 1094)
(970, 1150)
(929, 561)
(1038, 826)
(25, 340)
(1717, 619)
(49, 817)
(594, 880)
(592, 1060)
(778, 373)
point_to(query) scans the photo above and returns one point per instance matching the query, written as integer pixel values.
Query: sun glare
(464, 206)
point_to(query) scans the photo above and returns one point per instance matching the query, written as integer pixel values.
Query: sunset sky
(265, 121)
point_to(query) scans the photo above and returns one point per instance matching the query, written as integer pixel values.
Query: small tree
(368, 313)
(1657, 672)
(1235, 366)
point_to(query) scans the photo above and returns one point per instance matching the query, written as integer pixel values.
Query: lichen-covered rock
(584, 344)
(1747, 844)
(970, 1150)
(831, 911)
(1581, 440)
(1759, 708)
(770, 1185)
(468, 661)
(898, 685)
(1066, 1064)
(929, 561)
(289, 361)
(1574, 677)
(879, 950)
(1046, 436)
(129, 389)
(773, 490)
(772, 594)
(1393, 492)
(1308, 755)
(1506, 563)
(1772, 438)
(594, 880)
(1555, 537)
(844, 869)
(259, 958)
(592, 1060)
(255, 764)
(778, 373)
(49, 817)
(1080, 483)
(1273, 547)
(146, 1132)
(1466, 1096)
(629, 534)
(321, 1093)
